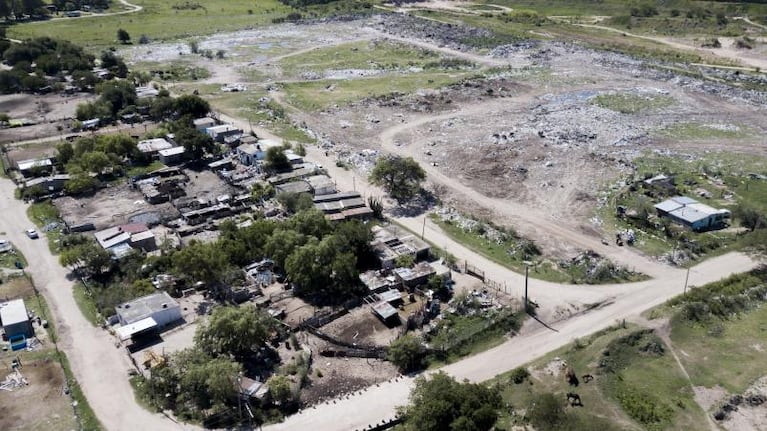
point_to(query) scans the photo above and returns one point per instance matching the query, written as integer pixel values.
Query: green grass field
(705, 131)
(654, 379)
(628, 103)
(375, 55)
(158, 21)
(318, 95)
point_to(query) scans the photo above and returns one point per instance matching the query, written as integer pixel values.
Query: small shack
(693, 214)
(15, 319)
(172, 156)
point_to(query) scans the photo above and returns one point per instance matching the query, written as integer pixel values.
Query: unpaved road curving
(100, 368)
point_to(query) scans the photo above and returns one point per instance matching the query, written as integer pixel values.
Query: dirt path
(748, 21)
(377, 403)
(530, 221)
(726, 53)
(101, 369)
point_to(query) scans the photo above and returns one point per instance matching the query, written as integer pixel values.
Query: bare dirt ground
(40, 405)
(746, 417)
(49, 112)
(111, 206)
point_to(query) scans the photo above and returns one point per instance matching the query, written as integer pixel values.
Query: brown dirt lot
(42, 405)
(48, 111)
(108, 207)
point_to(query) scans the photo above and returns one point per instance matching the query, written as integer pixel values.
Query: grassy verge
(460, 336)
(88, 419)
(42, 213)
(86, 304)
(138, 170)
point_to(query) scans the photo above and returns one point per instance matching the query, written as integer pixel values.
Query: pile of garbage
(13, 381)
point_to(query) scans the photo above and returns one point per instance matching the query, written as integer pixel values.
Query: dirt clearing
(40, 405)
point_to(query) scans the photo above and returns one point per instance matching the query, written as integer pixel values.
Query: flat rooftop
(13, 312)
(145, 306)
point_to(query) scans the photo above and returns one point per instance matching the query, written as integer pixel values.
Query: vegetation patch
(630, 103)
(319, 95)
(705, 131)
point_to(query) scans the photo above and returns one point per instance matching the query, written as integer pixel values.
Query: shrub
(519, 375)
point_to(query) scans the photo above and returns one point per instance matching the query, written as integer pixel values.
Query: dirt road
(100, 368)
(379, 403)
(528, 220)
(727, 53)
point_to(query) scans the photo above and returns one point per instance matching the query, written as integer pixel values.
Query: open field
(159, 20)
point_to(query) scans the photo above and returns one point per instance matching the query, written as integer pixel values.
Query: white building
(147, 313)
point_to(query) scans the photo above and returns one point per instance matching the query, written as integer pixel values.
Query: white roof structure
(127, 331)
(687, 209)
(172, 151)
(153, 145)
(33, 163)
(13, 312)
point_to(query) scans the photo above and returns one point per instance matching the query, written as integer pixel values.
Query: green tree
(407, 353)
(195, 142)
(441, 403)
(405, 261)
(279, 388)
(123, 36)
(114, 64)
(118, 95)
(191, 105)
(401, 177)
(282, 243)
(80, 182)
(201, 262)
(236, 331)
(262, 191)
(276, 160)
(295, 202)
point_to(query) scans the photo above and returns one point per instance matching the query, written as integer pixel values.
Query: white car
(32, 233)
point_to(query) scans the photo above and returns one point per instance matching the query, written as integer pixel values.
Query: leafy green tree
(321, 272)
(276, 160)
(123, 36)
(405, 261)
(262, 191)
(195, 142)
(114, 64)
(117, 95)
(162, 108)
(191, 105)
(279, 388)
(202, 262)
(295, 202)
(64, 153)
(235, 331)
(88, 256)
(401, 177)
(80, 182)
(440, 403)
(407, 353)
(282, 243)
(750, 217)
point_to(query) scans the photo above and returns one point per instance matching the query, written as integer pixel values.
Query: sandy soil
(40, 405)
(748, 418)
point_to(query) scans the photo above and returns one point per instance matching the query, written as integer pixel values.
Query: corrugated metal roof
(668, 205)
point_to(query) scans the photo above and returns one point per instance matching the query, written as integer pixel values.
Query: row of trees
(33, 60)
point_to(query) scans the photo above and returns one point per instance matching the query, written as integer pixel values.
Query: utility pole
(527, 272)
(686, 279)
(423, 229)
